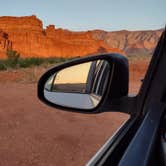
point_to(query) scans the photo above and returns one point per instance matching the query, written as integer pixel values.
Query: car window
(37, 35)
(138, 65)
(138, 68)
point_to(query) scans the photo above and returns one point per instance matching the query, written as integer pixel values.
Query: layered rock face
(5, 43)
(132, 42)
(27, 36)
(19, 24)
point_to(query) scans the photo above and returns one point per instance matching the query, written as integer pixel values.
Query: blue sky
(91, 14)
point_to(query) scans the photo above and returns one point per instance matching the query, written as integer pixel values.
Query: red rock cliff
(15, 24)
(5, 43)
(27, 36)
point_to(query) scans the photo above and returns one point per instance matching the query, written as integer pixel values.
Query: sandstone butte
(27, 36)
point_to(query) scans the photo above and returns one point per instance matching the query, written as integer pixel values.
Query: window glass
(137, 69)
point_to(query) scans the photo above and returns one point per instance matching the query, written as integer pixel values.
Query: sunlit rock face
(5, 43)
(16, 24)
(131, 42)
(30, 39)
(27, 36)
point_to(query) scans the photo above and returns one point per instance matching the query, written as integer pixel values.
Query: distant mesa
(27, 36)
(27, 23)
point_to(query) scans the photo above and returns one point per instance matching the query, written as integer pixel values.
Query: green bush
(12, 58)
(2, 65)
(14, 61)
(27, 62)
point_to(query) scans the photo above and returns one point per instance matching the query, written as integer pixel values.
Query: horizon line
(86, 30)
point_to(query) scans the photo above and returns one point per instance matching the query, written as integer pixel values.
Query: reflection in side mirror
(80, 86)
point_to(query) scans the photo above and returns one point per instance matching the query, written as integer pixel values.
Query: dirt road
(32, 134)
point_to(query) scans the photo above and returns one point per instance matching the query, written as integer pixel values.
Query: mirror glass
(80, 86)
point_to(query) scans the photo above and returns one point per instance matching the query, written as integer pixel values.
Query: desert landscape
(27, 36)
(33, 134)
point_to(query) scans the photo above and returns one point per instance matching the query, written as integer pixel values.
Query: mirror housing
(116, 86)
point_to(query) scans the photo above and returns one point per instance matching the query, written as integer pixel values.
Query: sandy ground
(33, 134)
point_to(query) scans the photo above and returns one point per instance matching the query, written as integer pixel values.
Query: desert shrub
(2, 65)
(12, 58)
(27, 62)
(14, 61)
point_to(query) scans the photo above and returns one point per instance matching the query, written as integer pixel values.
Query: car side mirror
(87, 84)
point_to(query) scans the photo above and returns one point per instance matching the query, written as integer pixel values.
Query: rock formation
(5, 43)
(132, 42)
(27, 36)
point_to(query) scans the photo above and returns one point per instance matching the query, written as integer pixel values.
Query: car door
(144, 142)
(134, 142)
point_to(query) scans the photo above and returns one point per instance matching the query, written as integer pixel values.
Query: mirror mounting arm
(125, 105)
